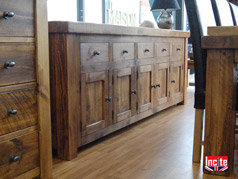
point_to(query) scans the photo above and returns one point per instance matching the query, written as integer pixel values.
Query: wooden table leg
(199, 113)
(220, 106)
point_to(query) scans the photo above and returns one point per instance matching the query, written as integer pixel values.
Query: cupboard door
(162, 84)
(176, 79)
(145, 87)
(95, 102)
(125, 93)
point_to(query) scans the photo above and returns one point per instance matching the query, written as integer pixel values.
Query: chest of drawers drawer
(94, 53)
(145, 50)
(123, 51)
(19, 155)
(16, 18)
(18, 110)
(17, 63)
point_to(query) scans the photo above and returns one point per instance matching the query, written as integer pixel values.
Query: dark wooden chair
(222, 12)
(200, 16)
(234, 11)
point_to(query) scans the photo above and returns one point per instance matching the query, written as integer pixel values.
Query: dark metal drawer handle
(164, 50)
(14, 158)
(158, 85)
(173, 81)
(153, 86)
(133, 92)
(147, 50)
(108, 99)
(8, 14)
(12, 112)
(125, 51)
(95, 53)
(178, 49)
(9, 64)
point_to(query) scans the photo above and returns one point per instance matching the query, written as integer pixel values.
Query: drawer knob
(108, 99)
(153, 86)
(95, 53)
(147, 50)
(158, 85)
(133, 92)
(164, 50)
(8, 14)
(12, 112)
(9, 64)
(125, 51)
(178, 49)
(14, 158)
(173, 81)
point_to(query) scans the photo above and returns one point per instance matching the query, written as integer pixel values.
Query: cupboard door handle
(9, 64)
(95, 53)
(173, 81)
(158, 85)
(12, 112)
(125, 51)
(14, 158)
(153, 86)
(108, 99)
(147, 50)
(133, 92)
(178, 49)
(164, 50)
(8, 14)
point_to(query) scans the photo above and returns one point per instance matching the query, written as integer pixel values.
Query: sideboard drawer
(162, 49)
(17, 63)
(19, 155)
(94, 53)
(178, 47)
(123, 51)
(18, 110)
(22, 23)
(145, 50)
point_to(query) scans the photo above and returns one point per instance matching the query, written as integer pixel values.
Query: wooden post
(42, 63)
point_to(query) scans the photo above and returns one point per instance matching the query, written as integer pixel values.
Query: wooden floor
(157, 147)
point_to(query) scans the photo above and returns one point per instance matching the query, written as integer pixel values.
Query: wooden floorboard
(157, 147)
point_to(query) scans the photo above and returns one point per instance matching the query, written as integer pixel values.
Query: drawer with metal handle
(93, 53)
(17, 63)
(19, 155)
(123, 51)
(16, 18)
(145, 50)
(18, 110)
(162, 49)
(178, 47)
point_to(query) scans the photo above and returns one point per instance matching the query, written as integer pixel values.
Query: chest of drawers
(105, 77)
(25, 138)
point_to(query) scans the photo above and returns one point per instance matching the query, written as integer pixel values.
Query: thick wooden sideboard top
(90, 28)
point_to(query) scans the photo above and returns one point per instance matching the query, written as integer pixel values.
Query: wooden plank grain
(73, 90)
(43, 79)
(222, 31)
(220, 107)
(31, 174)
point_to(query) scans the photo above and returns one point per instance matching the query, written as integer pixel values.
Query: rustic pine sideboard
(25, 132)
(106, 77)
